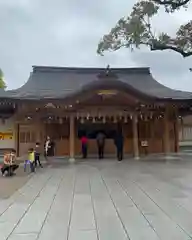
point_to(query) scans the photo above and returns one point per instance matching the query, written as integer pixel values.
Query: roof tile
(61, 82)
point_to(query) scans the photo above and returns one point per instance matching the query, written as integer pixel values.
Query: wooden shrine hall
(65, 103)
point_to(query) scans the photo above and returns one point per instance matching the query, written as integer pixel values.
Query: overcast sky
(66, 33)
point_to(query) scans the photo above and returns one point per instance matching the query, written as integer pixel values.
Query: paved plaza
(105, 200)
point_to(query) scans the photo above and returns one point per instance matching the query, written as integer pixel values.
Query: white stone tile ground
(102, 200)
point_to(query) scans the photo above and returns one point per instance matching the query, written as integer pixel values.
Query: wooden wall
(150, 131)
(7, 134)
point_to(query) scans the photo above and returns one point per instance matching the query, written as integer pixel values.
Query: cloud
(66, 33)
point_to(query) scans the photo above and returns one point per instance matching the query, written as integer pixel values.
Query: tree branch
(161, 47)
(135, 30)
(172, 3)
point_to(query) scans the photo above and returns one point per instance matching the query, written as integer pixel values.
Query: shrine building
(65, 103)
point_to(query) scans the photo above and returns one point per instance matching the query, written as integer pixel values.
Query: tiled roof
(62, 82)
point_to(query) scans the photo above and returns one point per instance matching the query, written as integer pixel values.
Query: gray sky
(66, 33)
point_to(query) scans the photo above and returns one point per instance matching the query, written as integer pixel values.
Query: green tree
(2, 82)
(136, 30)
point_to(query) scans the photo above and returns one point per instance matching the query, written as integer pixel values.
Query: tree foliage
(136, 30)
(2, 82)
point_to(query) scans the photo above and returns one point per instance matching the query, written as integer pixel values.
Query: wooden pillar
(176, 128)
(38, 131)
(72, 138)
(166, 136)
(135, 137)
(182, 129)
(177, 131)
(16, 136)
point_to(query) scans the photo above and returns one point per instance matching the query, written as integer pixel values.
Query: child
(37, 155)
(31, 160)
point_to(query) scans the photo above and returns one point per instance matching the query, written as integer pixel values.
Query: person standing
(37, 155)
(52, 148)
(100, 144)
(47, 148)
(84, 146)
(30, 160)
(119, 142)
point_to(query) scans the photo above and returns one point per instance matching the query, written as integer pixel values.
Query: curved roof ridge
(169, 88)
(142, 70)
(19, 88)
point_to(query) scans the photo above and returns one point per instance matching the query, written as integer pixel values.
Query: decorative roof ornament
(50, 105)
(108, 73)
(107, 69)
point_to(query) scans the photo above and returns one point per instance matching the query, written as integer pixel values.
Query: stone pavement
(106, 200)
(10, 185)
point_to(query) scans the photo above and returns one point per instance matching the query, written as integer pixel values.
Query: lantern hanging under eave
(60, 120)
(82, 120)
(88, 116)
(49, 119)
(125, 119)
(115, 119)
(104, 119)
(28, 118)
(120, 117)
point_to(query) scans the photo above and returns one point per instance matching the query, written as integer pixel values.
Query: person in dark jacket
(37, 155)
(100, 144)
(119, 142)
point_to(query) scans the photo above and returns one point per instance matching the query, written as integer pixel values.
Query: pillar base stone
(71, 160)
(136, 157)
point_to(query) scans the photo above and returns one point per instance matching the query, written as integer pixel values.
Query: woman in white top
(47, 147)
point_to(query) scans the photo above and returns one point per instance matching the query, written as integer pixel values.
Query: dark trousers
(32, 166)
(84, 150)
(119, 153)
(37, 159)
(9, 168)
(101, 151)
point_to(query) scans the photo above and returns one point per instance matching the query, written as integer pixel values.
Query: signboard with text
(6, 135)
(144, 143)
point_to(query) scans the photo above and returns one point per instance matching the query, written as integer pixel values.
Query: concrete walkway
(106, 200)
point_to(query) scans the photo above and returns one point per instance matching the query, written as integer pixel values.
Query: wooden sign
(144, 143)
(6, 136)
(107, 92)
